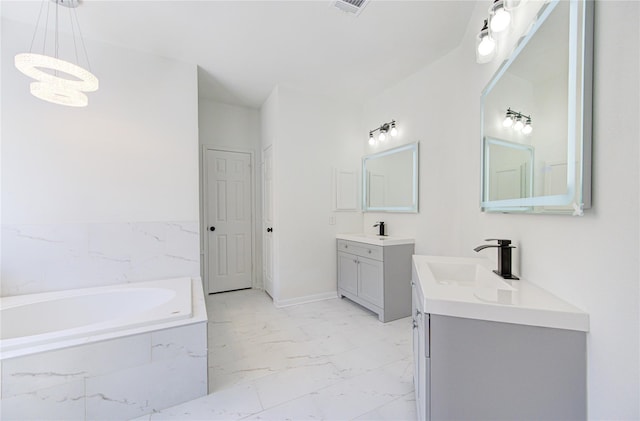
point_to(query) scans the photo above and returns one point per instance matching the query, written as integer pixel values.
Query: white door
(267, 223)
(228, 217)
(508, 184)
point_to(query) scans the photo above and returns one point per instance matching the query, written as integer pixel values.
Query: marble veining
(50, 257)
(330, 360)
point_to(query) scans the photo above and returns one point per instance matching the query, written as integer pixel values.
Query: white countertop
(490, 297)
(375, 240)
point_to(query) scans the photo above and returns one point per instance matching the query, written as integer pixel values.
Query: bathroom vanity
(375, 272)
(487, 348)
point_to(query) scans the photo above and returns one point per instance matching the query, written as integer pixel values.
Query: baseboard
(306, 299)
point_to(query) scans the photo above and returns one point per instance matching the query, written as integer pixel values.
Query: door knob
(212, 228)
(269, 229)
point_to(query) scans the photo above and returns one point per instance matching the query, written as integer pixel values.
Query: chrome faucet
(381, 229)
(504, 257)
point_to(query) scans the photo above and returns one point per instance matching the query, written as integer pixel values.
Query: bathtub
(46, 321)
(112, 352)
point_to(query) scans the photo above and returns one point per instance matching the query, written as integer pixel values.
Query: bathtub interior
(57, 317)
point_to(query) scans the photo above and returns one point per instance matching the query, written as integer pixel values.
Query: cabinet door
(416, 351)
(348, 272)
(370, 281)
(424, 361)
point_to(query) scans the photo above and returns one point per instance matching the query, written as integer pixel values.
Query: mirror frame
(413, 208)
(580, 23)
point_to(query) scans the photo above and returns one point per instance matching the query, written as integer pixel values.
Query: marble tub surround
(323, 360)
(118, 378)
(53, 257)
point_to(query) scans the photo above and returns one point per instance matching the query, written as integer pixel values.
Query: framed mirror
(536, 116)
(390, 180)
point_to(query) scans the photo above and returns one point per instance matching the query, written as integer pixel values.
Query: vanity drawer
(360, 249)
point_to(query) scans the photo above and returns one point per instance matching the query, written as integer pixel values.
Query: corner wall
(590, 261)
(104, 194)
(311, 136)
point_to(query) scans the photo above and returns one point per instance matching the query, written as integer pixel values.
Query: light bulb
(500, 21)
(508, 120)
(382, 137)
(486, 46)
(527, 129)
(518, 124)
(393, 132)
(371, 139)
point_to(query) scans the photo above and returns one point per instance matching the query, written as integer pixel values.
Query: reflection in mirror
(391, 180)
(510, 167)
(545, 82)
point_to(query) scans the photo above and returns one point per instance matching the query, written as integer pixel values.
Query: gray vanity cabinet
(376, 277)
(479, 369)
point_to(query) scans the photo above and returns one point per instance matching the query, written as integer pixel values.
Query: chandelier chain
(84, 47)
(35, 31)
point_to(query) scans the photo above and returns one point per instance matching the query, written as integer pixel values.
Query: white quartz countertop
(375, 240)
(467, 287)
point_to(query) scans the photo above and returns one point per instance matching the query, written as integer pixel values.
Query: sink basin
(467, 287)
(464, 272)
(377, 240)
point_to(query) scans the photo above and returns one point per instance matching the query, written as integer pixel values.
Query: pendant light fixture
(58, 81)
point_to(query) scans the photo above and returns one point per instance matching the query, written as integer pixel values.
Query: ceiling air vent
(351, 6)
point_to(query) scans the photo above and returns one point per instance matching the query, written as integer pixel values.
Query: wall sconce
(518, 121)
(499, 20)
(485, 45)
(499, 16)
(383, 129)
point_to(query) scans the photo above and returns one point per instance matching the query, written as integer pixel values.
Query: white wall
(312, 136)
(102, 194)
(590, 261)
(235, 128)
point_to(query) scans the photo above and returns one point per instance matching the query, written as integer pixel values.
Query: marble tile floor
(327, 360)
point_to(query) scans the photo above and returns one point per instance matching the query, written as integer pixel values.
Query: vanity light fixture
(527, 129)
(518, 125)
(485, 45)
(383, 129)
(508, 120)
(499, 17)
(518, 121)
(58, 81)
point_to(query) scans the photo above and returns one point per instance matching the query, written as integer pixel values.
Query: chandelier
(57, 81)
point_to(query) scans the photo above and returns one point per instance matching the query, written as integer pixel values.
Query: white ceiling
(245, 48)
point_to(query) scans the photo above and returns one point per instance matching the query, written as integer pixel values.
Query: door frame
(274, 293)
(205, 207)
